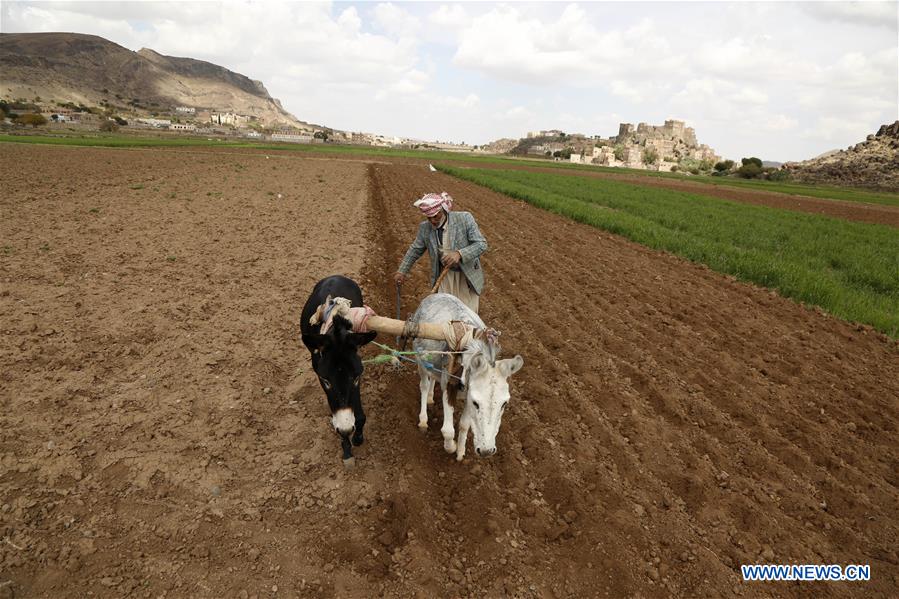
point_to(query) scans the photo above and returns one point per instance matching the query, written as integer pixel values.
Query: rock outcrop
(872, 163)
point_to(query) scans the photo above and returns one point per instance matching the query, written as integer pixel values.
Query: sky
(778, 80)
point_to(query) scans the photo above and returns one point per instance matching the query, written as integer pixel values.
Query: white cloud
(779, 122)
(38, 18)
(839, 131)
(869, 14)
(749, 95)
(505, 44)
(449, 17)
(395, 21)
(518, 112)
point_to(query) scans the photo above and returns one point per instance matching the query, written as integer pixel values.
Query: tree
(650, 156)
(565, 154)
(619, 152)
(32, 119)
(779, 175)
(724, 165)
(120, 121)
(753, 160)
(109, 126)
(749, 170)
(322, 135)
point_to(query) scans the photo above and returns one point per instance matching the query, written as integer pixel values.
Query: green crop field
(816, 191)
(849, 194)
(849, 269)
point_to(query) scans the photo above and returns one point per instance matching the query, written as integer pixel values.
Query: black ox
(336, 361)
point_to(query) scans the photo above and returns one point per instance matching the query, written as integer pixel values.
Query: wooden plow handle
(436, 286)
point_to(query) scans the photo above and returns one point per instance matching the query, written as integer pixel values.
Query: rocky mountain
(501, 146)
(90, 70)
(871, 163)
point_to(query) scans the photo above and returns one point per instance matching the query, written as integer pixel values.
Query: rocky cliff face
(71, 67)
(871, 163)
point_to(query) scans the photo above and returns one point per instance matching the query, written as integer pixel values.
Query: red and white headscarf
(431, 203)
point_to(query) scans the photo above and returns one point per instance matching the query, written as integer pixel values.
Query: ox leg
(426, 386)
(449, 444)
(464, 426)
(359, 413)
(346, 446)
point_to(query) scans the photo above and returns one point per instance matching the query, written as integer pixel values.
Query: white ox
(485, 378)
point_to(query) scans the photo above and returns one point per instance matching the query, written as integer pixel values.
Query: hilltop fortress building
(670, 130)
(651, 147)
(655, 147)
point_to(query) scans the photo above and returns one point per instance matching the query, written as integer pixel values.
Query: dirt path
(161, 434)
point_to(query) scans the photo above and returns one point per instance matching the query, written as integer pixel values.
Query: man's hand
(399, 278)
(451, 258)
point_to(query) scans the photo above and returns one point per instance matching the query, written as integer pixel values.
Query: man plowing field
(454, 244)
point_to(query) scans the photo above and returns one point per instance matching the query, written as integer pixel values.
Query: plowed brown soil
(161, 434)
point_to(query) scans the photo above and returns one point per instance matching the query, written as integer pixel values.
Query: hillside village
(653, 147)
(136, 117)
(665, 147)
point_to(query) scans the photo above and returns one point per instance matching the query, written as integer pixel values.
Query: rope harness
(392, 354)
(457, 335)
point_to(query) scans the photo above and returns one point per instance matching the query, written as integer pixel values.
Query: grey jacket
(462, 234)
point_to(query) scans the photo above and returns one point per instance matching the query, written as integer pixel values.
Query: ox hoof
(349, 463)
(358, 440)
(460, 457)
(449, 446)
(431, 401)
(423, 426)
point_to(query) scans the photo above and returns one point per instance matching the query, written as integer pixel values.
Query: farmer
(452, 239)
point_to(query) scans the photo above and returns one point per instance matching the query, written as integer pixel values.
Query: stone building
(673, 140)
(228, 118)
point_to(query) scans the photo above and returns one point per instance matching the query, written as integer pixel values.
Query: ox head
(487, 384)
(338, 366)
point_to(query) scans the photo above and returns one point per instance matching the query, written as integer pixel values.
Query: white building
(292, 138)
(254, 134)
(161, 123)
(228, 118)
(186, 109)
(182, 127)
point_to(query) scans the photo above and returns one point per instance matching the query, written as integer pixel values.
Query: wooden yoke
(394, 327)
(365, 319)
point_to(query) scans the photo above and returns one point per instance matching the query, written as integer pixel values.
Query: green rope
(395, 356)
(381, 359)
(394, 351)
